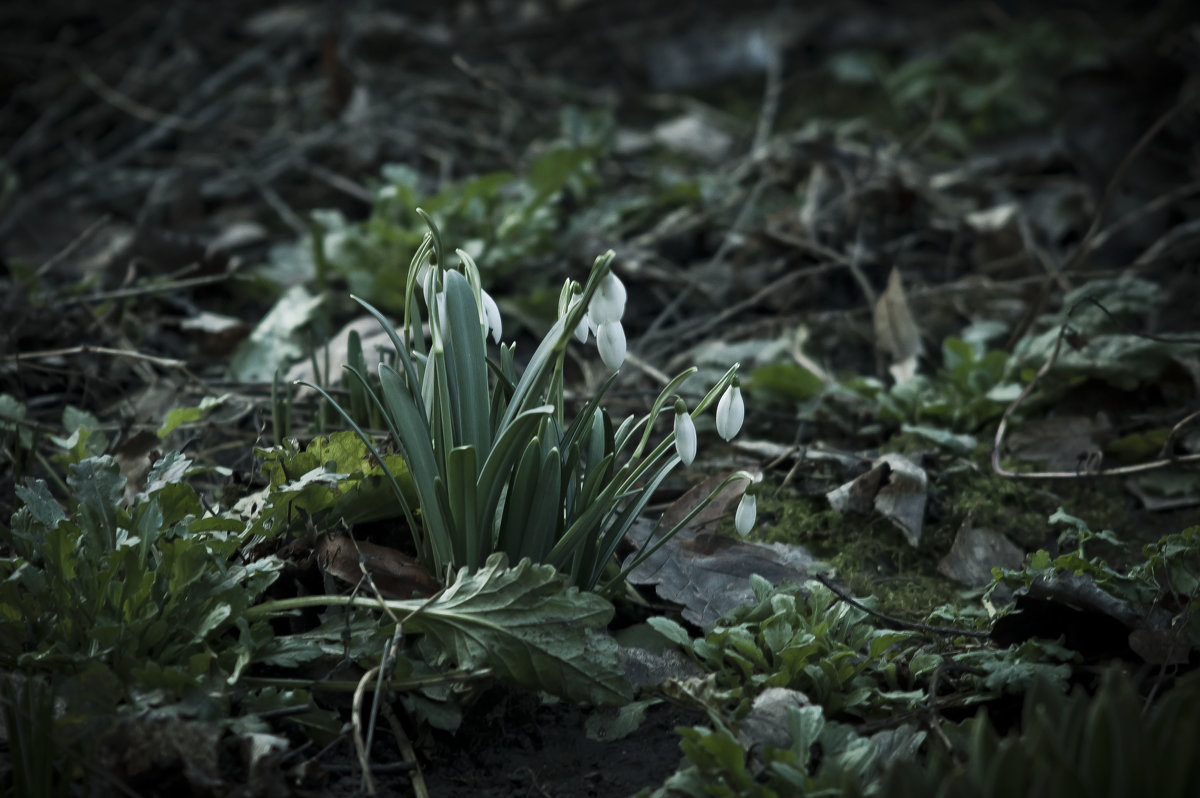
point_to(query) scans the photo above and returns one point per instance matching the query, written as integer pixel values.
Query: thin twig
(898, 622)
(73, 246)
(1110, 190)
(87, 349)
(1002, 428)
(145, 290)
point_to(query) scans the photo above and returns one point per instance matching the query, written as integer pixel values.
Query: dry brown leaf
(975, 552)
(706, 573)
(896, 332)
(895, 488)
(396, 574)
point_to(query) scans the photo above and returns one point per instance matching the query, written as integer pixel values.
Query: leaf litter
(800, 242)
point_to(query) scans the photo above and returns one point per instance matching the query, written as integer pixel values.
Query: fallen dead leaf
(975, 552)
(706, 573)
(895, 488)
(396, 574)
(895, 330)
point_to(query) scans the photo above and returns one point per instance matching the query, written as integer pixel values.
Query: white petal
(441, 308)
(610, 340)
(491, 312)
(685, 437)
(425, 280)
(731, 411)
(581, 329)
(608, 303)
(747, 510)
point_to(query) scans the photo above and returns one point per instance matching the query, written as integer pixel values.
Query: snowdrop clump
(491, 456)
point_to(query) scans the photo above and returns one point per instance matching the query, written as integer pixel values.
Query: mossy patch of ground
(871, 557)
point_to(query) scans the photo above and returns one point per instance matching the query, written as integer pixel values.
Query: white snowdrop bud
(491, 314)
(610, 340)
(747, 510)
(731, 411)
(685, 433)
(608, 303)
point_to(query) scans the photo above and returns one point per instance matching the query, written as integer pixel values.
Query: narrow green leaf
(466, 365)
(414, 442)
(461, 496)
(503, 456)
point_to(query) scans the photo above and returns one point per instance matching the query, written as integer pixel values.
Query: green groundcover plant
(495, 463)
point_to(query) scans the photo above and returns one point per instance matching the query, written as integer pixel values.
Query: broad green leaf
(671, 630)
(786, 379)
(275, 342)
(526, 625)
(99, 488)
(40, 504)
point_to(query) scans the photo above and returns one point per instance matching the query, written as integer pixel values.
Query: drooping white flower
(685, 433)
(581, 329)
(425, 280)
(731, 411)
(440, 299)
(747, 510)
(608, 303)
(491, 314)
(610, 340)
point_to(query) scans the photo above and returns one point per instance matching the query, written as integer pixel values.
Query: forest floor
(895, 216)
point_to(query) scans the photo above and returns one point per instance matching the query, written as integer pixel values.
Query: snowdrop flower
(731, 411)
(581, 329)
(747, 509)
(425, 280)
(440, 297)
(685, 433)
(491, 315)
(608, 303)
(610, 340)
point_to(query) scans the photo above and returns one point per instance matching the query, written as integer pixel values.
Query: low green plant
(140, 589)
(805, 638)
(1069, 746)
(35, 759)
(823, 759)
(503, 218)
(495, 463)
(982, 83)
(1166, 576)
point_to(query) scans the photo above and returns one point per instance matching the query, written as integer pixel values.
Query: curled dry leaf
(707, 573)
(396, 574)
(895, 487)
(895, 331)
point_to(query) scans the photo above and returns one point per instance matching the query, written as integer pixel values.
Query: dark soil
(523, 750)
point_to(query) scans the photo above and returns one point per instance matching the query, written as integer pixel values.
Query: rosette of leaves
(141, 590)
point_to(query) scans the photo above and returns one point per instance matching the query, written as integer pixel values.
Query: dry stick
(86, 349)
(74, 245)
(998, 444)
(185, 109)
(124, 102)
(900, 622)
(389, 658)
(1158, 203)
(1086, 245)
(1110, 190)
(766, 121)
(144, 290)
(416, 777)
